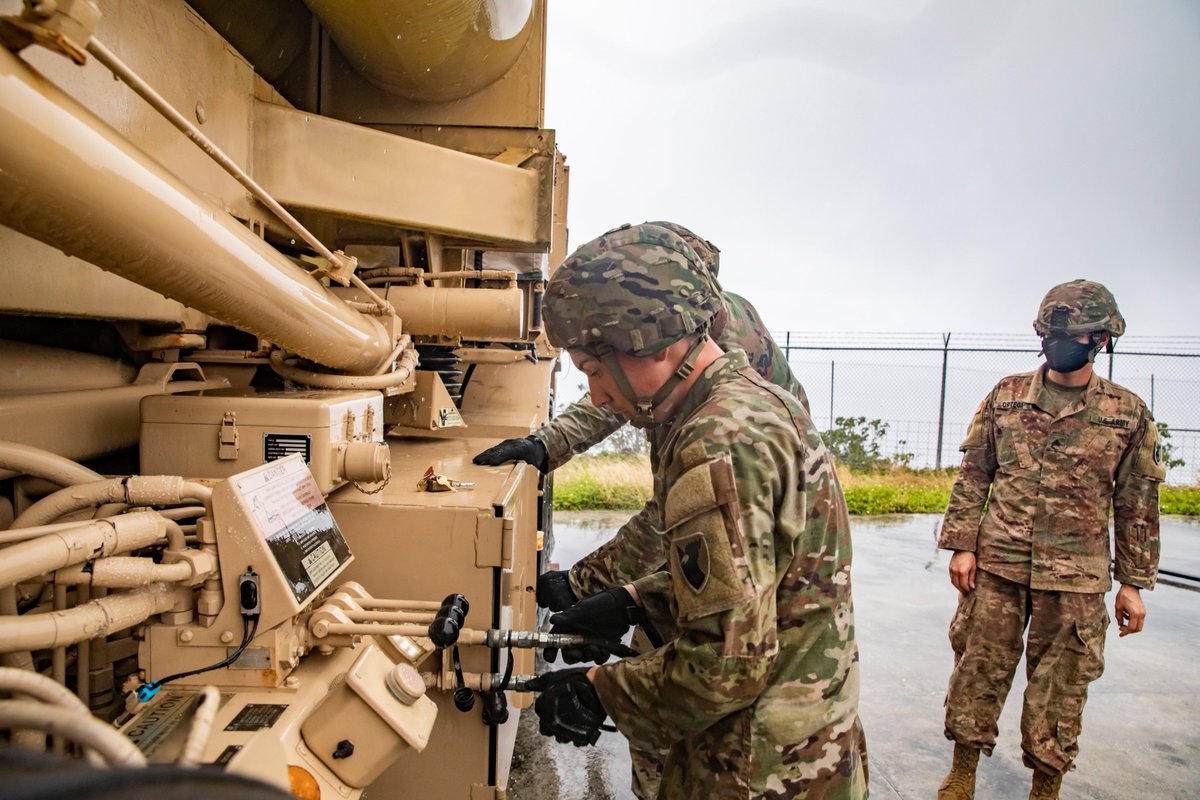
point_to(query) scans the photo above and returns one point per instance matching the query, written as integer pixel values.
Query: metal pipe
(83, 728)
(456, 311)
(88, 541)
(391, 616)
(71, 181)
(100, 617)
(25, 460)
(122, 572)
(343, 265)
(429, 51)
(323, 380)
(32, 368)
(135, 490)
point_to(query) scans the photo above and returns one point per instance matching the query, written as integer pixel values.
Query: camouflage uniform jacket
(1052, 480)
(637, 548)
(757, 693)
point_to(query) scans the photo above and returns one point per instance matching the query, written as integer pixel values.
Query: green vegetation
(1183, 500)
(900, 491)
(622, 482)
(608, 482)
(857, 443)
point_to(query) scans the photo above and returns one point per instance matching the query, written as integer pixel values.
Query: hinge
(227, 437)
(493, 541)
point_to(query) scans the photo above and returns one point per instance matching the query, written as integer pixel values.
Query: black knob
(345, 749)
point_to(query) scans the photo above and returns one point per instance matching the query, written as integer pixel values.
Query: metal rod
(160, 104)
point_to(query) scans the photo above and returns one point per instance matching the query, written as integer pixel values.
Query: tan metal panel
(312, 162)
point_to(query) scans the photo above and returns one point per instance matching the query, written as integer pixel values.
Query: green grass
(623, 483)
(1183, 500)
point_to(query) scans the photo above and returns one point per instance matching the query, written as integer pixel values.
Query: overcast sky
(896, 165)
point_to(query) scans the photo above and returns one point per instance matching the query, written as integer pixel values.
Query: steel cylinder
(429, 51)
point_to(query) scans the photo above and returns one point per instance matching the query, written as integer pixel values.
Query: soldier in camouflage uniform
(1055, 447)
(636, 549)
(756, 693)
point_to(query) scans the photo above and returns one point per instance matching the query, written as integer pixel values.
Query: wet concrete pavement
(1141, 727)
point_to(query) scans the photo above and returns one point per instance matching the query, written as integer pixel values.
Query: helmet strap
(644, 407)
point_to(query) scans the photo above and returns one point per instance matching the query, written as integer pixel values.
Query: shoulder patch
(1148, 461)
(706, 554)
(976, 435)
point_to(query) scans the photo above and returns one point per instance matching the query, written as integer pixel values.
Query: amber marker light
(303, 784)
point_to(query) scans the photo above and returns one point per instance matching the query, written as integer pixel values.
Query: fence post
(942, 399)
(1152, 394)
(787, 346)
(1110, 360)
(831, 364)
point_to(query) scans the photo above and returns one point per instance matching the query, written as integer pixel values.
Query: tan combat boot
(1045, 787)
(960, 783)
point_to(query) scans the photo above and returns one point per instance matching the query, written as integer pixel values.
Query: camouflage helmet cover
(1078, 307)
(637, 289)
(710, 254)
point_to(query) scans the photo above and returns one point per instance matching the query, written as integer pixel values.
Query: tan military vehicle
(272, 274)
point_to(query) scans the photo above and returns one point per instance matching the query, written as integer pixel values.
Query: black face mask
(1064, 354)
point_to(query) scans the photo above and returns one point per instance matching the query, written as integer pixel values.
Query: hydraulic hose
(100, 617)
(39, 463)
(202, 722)
(85, 542)
(136, 490)
(113, 747)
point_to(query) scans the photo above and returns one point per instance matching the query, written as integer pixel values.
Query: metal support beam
(311, 162)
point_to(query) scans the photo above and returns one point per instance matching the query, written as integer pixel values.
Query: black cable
(508, 670)
(147, 691)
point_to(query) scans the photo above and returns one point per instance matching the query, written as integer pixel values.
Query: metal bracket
(227, 437)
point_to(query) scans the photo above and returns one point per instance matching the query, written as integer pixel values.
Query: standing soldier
(756, 693)
(1056, 447)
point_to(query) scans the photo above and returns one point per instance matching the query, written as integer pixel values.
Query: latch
(227, 437)
(349, 426)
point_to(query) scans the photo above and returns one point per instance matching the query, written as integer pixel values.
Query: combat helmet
(637, 290)
(1079, 307)
(710, 254)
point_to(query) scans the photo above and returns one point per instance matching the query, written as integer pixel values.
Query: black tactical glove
(606, 616)
(554, 591)
(568, 707)
(529, 450)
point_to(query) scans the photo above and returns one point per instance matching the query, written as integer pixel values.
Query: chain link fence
(925, 387)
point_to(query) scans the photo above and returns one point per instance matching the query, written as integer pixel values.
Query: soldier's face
(645, 376)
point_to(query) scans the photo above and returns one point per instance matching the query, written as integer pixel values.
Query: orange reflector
(303, 784)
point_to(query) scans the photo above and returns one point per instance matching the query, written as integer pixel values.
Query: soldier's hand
(1130, 611)
(554, 591)
(568, 707)
(606, 616)
(529, 450)
(962, 570)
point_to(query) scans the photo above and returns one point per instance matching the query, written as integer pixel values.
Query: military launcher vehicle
(272, 274)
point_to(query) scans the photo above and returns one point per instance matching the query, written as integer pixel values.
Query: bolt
(185, 636)
(226, 636)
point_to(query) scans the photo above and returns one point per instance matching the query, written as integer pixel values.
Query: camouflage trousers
(1063, 655)
(647, 771)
